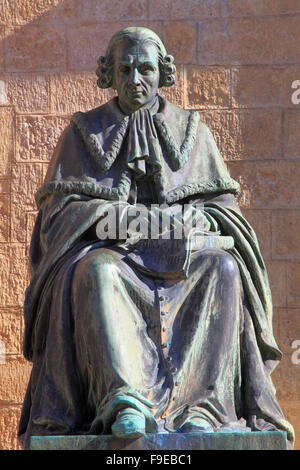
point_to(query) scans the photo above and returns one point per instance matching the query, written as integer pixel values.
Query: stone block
(268, 185)
(37, 136)
(277, 272)
(2, 47)
(18, 224)
(207, 87)
(289, 328)
(160, 9)
(9, 421)
(71, 92)
(6, 12)
(261, 222)
(247, 41)
(30, 221)
(291, 133)
(5, 186)
(22, 44)
(7, 139)
(10, 329)
(26, 179)
(285, 239)
(180, 40)
(291, 410)
(263, 86)
(186, 9)
(27, 93)
(134, 9)
(275, 321)
(207, 441)
(26, 11)
(175, 93)
(12, 275)
(220, 124)
(246, 134)
(4, 217)
(15, 375)
(286, 379)
(258, 7)
(257, 134)
(293, 284)
(112, 10)
(87, 43)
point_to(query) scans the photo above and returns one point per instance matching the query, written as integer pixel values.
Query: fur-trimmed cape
(90, 157)
(88, 171)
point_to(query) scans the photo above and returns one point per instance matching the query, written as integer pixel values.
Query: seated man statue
(130, 333)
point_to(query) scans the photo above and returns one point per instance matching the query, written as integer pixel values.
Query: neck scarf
(143, 147)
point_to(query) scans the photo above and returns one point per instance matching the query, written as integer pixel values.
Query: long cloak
(89, 171)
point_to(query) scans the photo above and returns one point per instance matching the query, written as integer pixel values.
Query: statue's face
(136, 74)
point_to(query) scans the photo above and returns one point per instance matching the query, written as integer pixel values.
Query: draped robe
(104, 328)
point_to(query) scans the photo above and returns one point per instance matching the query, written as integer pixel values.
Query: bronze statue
(131, 335)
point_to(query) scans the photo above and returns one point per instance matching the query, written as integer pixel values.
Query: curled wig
(105, 67)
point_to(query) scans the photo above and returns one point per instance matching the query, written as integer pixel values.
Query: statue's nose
(134, 77)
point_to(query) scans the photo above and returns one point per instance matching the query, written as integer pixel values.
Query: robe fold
(104, 334)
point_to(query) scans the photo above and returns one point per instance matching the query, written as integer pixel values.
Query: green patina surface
(208, 441)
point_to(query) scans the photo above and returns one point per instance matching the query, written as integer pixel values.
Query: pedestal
(207, 441)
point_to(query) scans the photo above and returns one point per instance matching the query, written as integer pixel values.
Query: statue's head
(136, 64)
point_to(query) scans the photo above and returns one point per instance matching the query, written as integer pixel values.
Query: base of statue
(206, 441)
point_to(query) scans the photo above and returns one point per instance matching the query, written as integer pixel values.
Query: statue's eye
(124, 69)
(145, 69)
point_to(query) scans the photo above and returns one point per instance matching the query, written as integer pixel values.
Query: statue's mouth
(135, 92)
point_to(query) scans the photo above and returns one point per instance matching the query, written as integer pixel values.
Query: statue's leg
(117, 357)
(204, 324)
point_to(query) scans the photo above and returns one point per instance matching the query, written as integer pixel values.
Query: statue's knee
(227, 265)
(95, 266)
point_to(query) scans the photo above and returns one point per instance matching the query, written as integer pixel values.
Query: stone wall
(236, 62)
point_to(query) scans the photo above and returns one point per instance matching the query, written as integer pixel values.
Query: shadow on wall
(63, 34)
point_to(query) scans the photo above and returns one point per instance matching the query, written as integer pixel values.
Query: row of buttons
(165, 345)
(164, 313)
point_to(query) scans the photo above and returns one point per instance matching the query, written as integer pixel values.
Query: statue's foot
(198, 425)
(129, 424)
